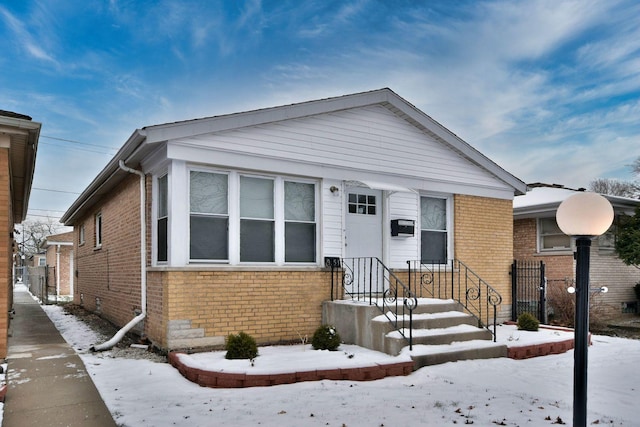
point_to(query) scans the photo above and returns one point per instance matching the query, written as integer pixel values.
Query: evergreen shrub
(326, 338)
(528, 322)
(241, 346)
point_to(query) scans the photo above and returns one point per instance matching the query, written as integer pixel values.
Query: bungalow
(206, 227)
(18, 145)
(538, 238)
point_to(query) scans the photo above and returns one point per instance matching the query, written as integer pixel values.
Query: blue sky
(549, 90)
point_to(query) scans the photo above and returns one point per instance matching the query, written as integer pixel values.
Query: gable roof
(23, 135)
(543, 200)
(143, 141)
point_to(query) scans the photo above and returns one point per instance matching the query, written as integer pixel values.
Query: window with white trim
(261, 219)
(300, 222)
(257, 220)
(98, 230)
(162, 219)
(551, 238)
(81, 235)
(434, 234)
(209, 216)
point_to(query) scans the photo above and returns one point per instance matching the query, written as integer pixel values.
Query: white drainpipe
(58, 270)
(143, 267)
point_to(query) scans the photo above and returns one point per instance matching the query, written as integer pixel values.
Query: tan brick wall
(483, 240)
(6, 251)
(273, 306)
(108, 278)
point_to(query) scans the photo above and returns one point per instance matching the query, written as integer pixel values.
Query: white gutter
(143, 267)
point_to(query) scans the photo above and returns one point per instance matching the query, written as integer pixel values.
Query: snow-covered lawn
(531, 392)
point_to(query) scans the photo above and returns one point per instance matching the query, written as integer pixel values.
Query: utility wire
(55, 191)
(78, 142)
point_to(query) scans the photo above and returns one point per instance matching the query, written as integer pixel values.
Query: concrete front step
(395, 342)
(432, 320)
(427, 355)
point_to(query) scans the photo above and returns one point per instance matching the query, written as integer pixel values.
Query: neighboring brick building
(536, 236)
(59, 262)
(240, 212)
(18, 145)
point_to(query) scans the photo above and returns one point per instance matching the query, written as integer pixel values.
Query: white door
(363, 235)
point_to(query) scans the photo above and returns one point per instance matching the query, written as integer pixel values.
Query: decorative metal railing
(369, 280)
(454, 280)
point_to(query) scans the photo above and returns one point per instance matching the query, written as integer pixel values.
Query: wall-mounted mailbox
(403, 227)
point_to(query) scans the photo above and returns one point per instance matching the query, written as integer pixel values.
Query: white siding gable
(361, 143)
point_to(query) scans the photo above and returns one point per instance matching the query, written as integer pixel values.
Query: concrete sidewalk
(48, 384)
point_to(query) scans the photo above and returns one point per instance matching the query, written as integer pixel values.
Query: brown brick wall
(6, 251)
(108, 278)
(483, 240)
(559, 266)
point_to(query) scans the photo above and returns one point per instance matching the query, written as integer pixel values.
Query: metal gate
(528, 285)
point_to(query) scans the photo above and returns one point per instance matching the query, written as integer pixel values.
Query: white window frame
(156, 216)
(234, 217)
(98, 225)
(81, 235)
(540, 237)
(448, 198)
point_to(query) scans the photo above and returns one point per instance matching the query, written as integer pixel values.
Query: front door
(363, 234)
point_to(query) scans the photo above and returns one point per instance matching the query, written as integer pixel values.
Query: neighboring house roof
(63, 239)
(543, 200)
(23, 135)
(143, 141)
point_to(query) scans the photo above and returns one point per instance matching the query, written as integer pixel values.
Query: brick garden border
(217, 379)
(544, 349)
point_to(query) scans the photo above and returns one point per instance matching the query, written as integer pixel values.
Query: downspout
(143, 267)
(58, 271)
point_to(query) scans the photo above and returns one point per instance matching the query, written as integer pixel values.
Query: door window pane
(433, 214)
(434, 247)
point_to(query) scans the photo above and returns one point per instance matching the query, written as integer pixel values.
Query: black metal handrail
(455, 280)
(368, 280)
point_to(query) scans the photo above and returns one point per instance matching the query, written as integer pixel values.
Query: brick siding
(483, 240)
(6, 250)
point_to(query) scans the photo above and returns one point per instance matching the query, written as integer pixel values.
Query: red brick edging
(535, 350)
(228, 380)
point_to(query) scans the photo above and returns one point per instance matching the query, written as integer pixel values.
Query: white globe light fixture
(584, 216)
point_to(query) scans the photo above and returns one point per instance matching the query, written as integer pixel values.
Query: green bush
(241, 346)
(636, 288)
(527, 322)
(325, 338)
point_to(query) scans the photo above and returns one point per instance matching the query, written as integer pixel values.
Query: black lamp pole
(581, 340)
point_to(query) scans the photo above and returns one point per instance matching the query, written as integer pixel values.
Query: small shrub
(527, 322)
(241, 346)
(325, 338)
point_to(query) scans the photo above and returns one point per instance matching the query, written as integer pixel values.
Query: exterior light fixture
(584, 216)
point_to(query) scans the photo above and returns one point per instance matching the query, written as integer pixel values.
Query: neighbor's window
(81, 235)
(163, 218)
(551, 237)
(257, 222)
(42, 261)
(209, 217)
(607, 241)
(433, 230)
(300, 222)
(98, 229)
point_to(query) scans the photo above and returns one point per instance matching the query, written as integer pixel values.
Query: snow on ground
(531, 392)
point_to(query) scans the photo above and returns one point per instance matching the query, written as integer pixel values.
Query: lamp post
(584, 216)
